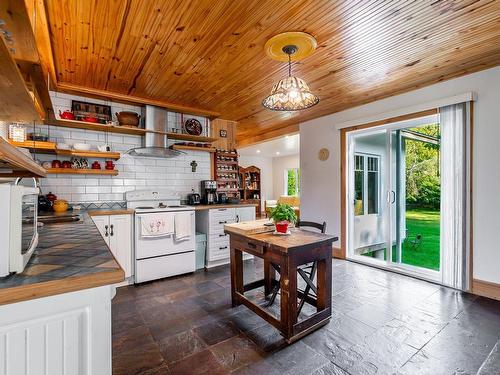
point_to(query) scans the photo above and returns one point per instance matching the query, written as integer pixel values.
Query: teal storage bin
(201, 246)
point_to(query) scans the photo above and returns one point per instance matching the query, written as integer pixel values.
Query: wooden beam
(37, 14)
(16, 101)
(124, 98)
(267, 135)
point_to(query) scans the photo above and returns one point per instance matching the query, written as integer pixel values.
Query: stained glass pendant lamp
(290, 93)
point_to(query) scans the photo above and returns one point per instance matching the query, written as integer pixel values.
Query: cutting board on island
(249, 227)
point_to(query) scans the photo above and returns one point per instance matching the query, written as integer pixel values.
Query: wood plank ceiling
(209, 54)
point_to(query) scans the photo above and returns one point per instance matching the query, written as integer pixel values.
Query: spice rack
(227, 172)
(250, 185)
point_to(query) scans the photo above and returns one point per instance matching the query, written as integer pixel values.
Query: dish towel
(182, 227)
(157, 225)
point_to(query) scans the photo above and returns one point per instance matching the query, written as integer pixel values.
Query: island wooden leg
(236, 275)
(269, 277)
(324, 284)
(288, 297)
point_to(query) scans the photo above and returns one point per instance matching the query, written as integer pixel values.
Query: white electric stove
(161, 255)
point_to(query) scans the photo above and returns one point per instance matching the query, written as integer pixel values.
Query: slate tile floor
(382, 323)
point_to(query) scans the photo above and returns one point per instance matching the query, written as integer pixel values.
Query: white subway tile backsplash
(134, 173)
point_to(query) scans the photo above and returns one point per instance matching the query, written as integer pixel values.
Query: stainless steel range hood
(155, 145)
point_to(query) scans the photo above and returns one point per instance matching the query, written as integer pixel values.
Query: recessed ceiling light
(277, 152)
(258, 151)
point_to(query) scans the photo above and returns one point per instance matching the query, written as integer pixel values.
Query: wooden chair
(306, 271)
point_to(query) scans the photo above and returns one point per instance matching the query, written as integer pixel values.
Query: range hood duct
(155, 145)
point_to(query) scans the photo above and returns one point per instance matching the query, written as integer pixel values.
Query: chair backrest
(291, 200)
(320, 227)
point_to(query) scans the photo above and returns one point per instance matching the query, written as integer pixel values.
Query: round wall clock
(323, 154)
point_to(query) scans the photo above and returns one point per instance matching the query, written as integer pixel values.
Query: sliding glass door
(394, 197)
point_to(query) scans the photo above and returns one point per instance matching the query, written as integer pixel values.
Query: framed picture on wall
(83, 110)
(223, 133)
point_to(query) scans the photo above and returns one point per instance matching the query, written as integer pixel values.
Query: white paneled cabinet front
(212, 223)
(66, 334)
(117, 232)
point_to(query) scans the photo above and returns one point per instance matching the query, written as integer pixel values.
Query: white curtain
(455, 204)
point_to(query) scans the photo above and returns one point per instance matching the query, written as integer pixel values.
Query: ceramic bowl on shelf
(81, 146)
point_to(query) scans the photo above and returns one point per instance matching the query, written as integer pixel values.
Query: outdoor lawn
(425, 223)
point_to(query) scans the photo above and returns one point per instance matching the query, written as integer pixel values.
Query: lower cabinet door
(102, 224)
(120, 241)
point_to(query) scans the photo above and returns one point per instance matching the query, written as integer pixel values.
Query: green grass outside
(425, 223)
(426, 254)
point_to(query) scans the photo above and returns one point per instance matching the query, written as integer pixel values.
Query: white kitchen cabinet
(211, 222)
(117, 231)
(245, 214)
(68, 333)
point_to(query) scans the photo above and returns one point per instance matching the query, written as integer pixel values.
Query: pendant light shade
(290, 93)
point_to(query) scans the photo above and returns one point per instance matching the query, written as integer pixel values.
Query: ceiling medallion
(290, 93)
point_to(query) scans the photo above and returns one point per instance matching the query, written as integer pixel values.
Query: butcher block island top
(303, 253)
(69, 257)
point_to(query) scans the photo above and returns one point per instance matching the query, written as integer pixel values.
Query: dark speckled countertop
(69, 257)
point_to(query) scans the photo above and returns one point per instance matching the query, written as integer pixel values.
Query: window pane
(359, 182)
(292, 182)
(373, 189)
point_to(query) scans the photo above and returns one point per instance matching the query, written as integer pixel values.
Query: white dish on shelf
(63, 146)
(81, 146)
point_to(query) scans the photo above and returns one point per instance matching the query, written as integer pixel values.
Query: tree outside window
(292, 182)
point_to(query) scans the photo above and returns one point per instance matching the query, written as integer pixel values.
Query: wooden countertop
(110, 211)
(200, 207)
(69, 257)
(298, 239)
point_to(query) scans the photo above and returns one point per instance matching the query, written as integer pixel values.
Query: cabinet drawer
(249, 246)
(218, 247)
(218, 227)
(221, 214)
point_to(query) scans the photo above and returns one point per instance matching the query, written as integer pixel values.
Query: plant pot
(282, 226)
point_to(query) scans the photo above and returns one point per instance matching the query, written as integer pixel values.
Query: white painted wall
(320, 198)
(134, 173)
(266, 173)
(280, 164)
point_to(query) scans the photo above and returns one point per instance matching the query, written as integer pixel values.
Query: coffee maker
(209, 191)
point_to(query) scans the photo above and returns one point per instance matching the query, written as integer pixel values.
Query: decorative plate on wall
(193, 126)
(323, 154)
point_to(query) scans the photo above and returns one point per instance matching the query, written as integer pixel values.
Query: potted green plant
(283, 214)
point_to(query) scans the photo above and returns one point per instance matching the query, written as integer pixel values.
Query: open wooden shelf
(50, 148)
(14, 163)
(193, 148)
(89, 154)
(82, 171)
(227, 154)
(38, 146)
(126, 130)
(74, 124)
(186, 137)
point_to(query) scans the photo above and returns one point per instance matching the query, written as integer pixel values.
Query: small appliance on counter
(194, 198)
(18, 226)
(209, 191)
(223, 198)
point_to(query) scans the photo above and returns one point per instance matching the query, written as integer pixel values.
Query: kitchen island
(285, 254)
(56, 315)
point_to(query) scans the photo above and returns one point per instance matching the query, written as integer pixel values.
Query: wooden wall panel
(228, 143)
